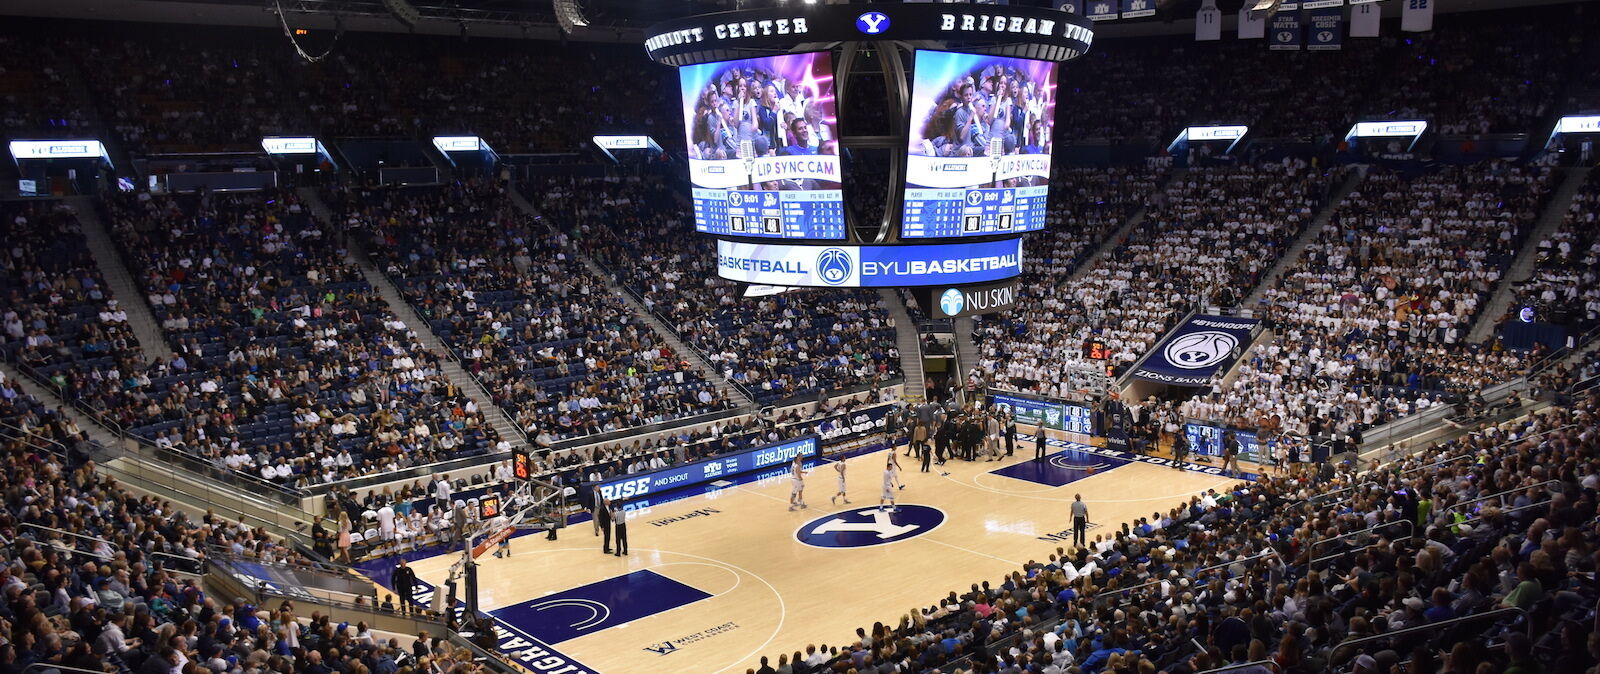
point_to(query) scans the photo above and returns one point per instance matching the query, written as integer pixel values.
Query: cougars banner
(1285, 32)
(1417, 16)
(1194, 352)
(1327, 27)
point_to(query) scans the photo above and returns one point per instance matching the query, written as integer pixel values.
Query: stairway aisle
(152, 344)
(908, 341)
(1522, 266)
(1318, 221)
(734, 393)
(502, 424)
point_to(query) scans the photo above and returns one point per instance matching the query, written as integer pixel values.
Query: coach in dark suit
(405, 583)
(602, 511)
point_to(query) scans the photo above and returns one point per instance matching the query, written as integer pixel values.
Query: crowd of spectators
(287, 365)
(175, 90)
(1206, 240)
(794, 345)
(1370, 323)
(1289, 570)
(36, 98)
(560, 354)
(1565, 286)
(55, 306)
(96, 578)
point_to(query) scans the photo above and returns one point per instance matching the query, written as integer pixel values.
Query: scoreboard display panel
(979, 155)
(762, 137)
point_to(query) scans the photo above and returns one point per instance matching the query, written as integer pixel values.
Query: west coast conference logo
(872, 23)
(953, 301)
(1200, 349)
(867, 527)
(833, 265)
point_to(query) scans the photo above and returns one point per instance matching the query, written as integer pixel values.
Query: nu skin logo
(872, 23)
(952, 301)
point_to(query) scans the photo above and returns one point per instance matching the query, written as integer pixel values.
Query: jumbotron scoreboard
(771, 158)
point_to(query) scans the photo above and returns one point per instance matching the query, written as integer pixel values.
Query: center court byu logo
(1200, 349)
(865, 527)
(952, 301)
(833, 265)
(872, 23)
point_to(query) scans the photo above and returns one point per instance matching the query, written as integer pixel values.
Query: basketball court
(715, 580)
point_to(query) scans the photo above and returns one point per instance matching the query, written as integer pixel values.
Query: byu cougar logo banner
(1197, 350)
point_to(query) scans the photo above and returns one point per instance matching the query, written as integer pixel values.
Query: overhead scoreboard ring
(745, 143)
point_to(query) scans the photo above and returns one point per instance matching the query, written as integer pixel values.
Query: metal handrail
(73, 534)
(1480, 518)
(1385, 525)
(1430, 627)
(28, 436)
(1269, 664)
(186, 461)
(40, 667)
(186, 561)
(1513, 490)
(1459, 457)
(1315, 500)
(1271, 552)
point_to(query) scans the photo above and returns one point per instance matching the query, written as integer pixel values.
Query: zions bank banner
(1194, 352)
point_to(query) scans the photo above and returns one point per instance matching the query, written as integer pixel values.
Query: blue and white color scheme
(1326, 30)
(866, 527)
(952, 302)
(869, 266)
(753, 174)
(1053, 414)
(978, 160)
(872, 23)
(58, 149)
(1197, 350)
(1062, 468)
(640, 485)
(1284, 33)
(555, 618)
(1082, 457)
(1206, 440)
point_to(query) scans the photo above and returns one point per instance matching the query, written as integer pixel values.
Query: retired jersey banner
(1252, 25)
(1208, 22)
(1326, 29)
(1070, 6)
(1285, 32)
(1364, 20)
(1100, 10)
(1196, 351)
(1319, 4)
(1417, 15)
(1133, 9)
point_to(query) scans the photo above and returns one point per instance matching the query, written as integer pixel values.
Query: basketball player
(891, 481)
(797, 483)
(838, 467)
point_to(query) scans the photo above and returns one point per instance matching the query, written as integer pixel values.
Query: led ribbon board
(869, 266)
(640, 485)
(1028, 32)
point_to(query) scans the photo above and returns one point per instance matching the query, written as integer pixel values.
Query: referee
(1080, 521)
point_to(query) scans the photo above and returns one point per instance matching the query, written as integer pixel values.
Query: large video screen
(980, 145)
(763, 147)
